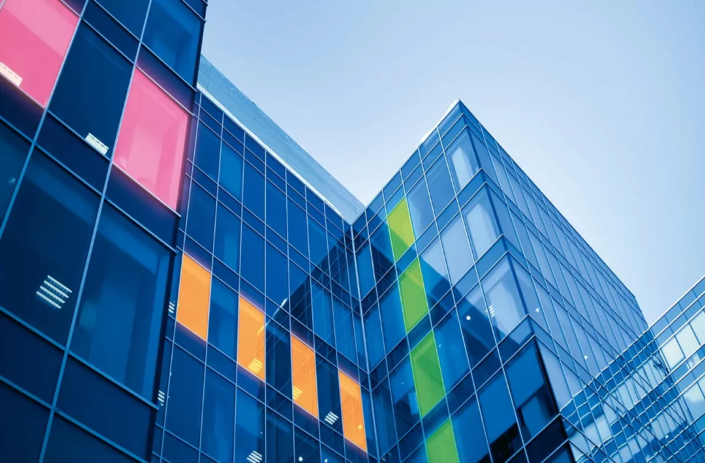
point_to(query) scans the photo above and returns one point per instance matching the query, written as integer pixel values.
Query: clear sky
(602, 103)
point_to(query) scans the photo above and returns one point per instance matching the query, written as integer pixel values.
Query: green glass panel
(413, 295)
(400, 229)
(441, 445)
(427, 374)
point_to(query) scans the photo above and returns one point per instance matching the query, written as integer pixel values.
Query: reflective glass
(14, 152)
(439, 185)
(227, 237)
(207, 151)
(194, 297)
(303, 373)
(413, 295)
(252, 259)
(454, 362)
(474, 321)
(470, 436)
(420, 207)
(120, 315)
(23, 422)
(249, 432)
(183, 416)
(34, 38)
(231, 171)
(406, 406)
(68, 442)
(498, 414)
(50, 225)
(201, 216)
(322, 313)
(504, 302)
(280, 441)
(130, 13)
(353, 420)
(344, 334)
(278, 358)
(218, 425)
(457, 249)
(374, 339)
(328, 382)
(152, 139)
(441, 445)
(276, 209)
(481, 223)
(392, 318)
(402, 234)
(222, 329)
(461, 159)
(427, 374)
(251, 348)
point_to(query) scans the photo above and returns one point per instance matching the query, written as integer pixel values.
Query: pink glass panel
(34, 38)
(152, 140)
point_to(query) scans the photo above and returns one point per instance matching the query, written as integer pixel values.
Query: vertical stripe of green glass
(400, 229)
(441, 446)
(413, 295)
(427, 374)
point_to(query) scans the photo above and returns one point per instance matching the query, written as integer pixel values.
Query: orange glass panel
(194, 297)
(303, 365)
(250, 349)
(353, 419)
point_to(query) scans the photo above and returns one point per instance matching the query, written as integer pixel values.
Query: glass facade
(201, 290)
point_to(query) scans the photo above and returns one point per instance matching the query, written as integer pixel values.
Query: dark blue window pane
(451, 352)
(382, 257)
(497, 411)
(373, 333)
(322, 313)
(406, 407)
(207, 151)
(474, 321)
(218, 418)
(278, 358)
(201, 216)
(69, 443)
(470, 437)
(14, 151)
(249, 433)
(23, 422)
(364, 269)
(227, 238)
(306, 447)
(329, 408)
(420, 208)
(130, 13)
(123, 302)
(90, 93)
(435, 273)
(277, 276)
(50, 225)
(344, 334)
(384, 417)
(439, 185)
(231, 171)
(173, 32)
(183, 416)
(317, 245)
(297, 228)
(222, 318)
(254, 191)
(276, 210)
(280, 441)
(253, 257)
(392, 318)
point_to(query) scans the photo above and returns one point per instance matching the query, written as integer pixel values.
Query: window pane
(218, 418)
(91, 90)
(222, 329)
(152, 139)
(276, 210)
(23, 422)
(406, 406)
(413, 295)
(231, 171)
(303, 369)
(470, 437)
(392, 318)
(364, 265)
(173, 32)
(194, 297)
(277, 276)
(250, 352)
(201, 216)
(698, 325)
(280, 442)
(502, 430)
(278, 358)
(441, 445)
(373, 335)
(227, 238)
(481, 223)
(420, 208)
(328, 393)
(672, 352)
(504, 303)
(124, 296)
(50, 225)
(207, 151)
(461, 159)
(474, 321)
(400, 229)
(454, 362)
(183, 416)
(130, 13)
(254, 191)
(427, 372)
(687, 340)
(435, 273)
(440, 186)
(252, 261)
(353, 420)
(384, 417)
(322, 313)
(34, 38)
(69, 443)
(14, 152)
(249, 432)
(344, 334)
(457, 250)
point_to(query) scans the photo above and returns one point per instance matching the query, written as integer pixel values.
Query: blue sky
(602, 103)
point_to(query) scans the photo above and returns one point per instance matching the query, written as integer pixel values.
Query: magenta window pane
(152, 139)
(34, 38)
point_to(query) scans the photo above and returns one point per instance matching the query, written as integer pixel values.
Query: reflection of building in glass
(181, 282)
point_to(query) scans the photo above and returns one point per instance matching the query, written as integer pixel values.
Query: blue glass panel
(222, 318)
(218, 417)
(130, 13)
(364, 269)
(207, 151)
(435, 273)
(254, 191)
(249, 432)
(280, 439)
(504, 302)
(253, 257)
(201, 216)
(231, 171)
(14, 151)
(440, 186)
(227, 238)
(329, 407)
(457, 249)
(70, 443)
(374, 339)
(384, 417)
(185, 394)
(481, 223)
(451, 352)
(392, 318)
(344, 334)
(318, 245)
(420, 208)
(278, 358)
(298, 236)
(406, 407)
(276, 209)
(23, 422)
(462, 161)
(470, 438)
(322, 313)
(474, 321)
(277, 276)
(498, 414)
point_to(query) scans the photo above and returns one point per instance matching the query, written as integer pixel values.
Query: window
(329, 406)
(174, 33)
(249, 432)
(183, 416)
(298, 236)
(222, 329)
(504, 302)
(34, 38)
(392, 318)
(481, 223)
(474, 321)
(252, 260)
(461, 159)
(218, 417)
(402, 234)
(303, 369)
(457, 250)
(201, 216)
(406, 406)
(194, 297)
(420, 208)
(353, 419)
(91, 91)
(227, 238)
(50, 225)
(250, 352)
(454, 362)
(276, 210)
(364, 264)
(120, 316)
(441, 445)
(384, 417)
(698, 325)
(152, 139)
(130, 13)
(280, 445)
(231, 171)
(427, 372)
(70, 443)
(502, 430)
(14, 152)
(277, 276)
(322, 313)
(278, 358)
(413, 295)
(344, 331)
(440, 186)
(23, 422)
(472, 446)
(207, 151)
(435, 273)
(672, 352)
(373, 335)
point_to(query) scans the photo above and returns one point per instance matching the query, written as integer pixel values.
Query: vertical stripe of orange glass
(353, 419)
(250, 349)
(303, 363)
(194, 297)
